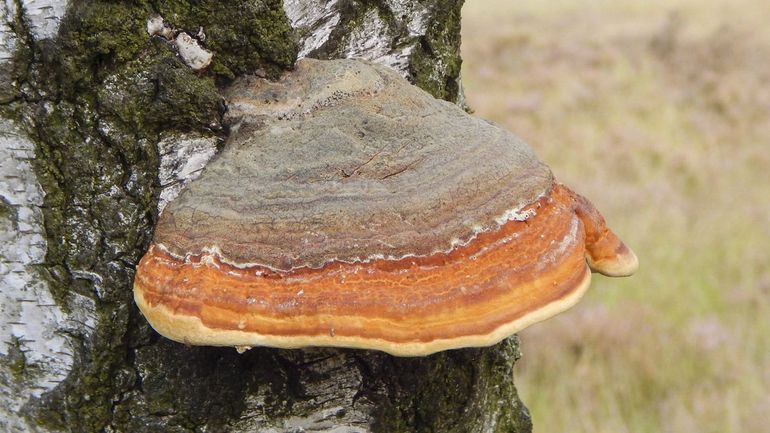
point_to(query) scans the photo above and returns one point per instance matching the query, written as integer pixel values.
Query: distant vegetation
(659, 112)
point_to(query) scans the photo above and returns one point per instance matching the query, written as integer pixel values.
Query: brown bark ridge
(103, 120)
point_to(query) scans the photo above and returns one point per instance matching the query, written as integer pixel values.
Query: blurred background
(658, 112)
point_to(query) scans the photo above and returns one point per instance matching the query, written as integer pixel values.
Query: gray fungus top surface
(346, 160)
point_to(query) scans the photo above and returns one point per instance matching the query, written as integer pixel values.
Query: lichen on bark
(96, 99)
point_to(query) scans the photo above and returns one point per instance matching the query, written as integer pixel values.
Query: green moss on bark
(245, 36)
(16, 361)
(458, 391)
(7, 212)
(436, 62)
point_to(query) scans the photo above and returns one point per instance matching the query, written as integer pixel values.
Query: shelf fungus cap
(352, 209)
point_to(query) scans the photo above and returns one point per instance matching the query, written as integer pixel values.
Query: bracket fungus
(351, 209)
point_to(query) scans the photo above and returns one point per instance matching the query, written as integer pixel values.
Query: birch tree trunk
(103, 119)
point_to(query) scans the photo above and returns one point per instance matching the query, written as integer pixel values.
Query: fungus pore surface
(352, 209)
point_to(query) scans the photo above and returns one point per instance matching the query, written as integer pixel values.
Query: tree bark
(101, 124)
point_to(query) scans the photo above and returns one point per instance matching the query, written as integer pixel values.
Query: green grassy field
(659, 112)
